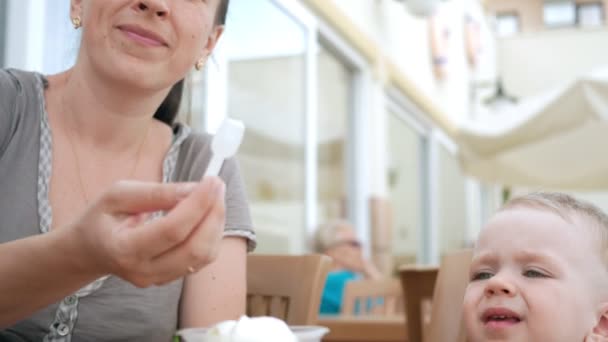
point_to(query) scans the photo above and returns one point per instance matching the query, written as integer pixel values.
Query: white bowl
(309, 333)
(304, 333)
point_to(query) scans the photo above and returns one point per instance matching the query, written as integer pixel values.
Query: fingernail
(183, 190)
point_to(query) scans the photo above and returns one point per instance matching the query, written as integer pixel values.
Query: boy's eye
(534, 274)
(481, 276)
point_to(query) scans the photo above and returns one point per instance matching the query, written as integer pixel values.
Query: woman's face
(346, 250)
(150, 44)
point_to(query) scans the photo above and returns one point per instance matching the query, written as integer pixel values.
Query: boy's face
(533, 278)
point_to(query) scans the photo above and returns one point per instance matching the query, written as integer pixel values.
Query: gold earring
(199, 64)
(77, 22)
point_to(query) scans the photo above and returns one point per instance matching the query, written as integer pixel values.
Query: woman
(338, 240)
(107, 232)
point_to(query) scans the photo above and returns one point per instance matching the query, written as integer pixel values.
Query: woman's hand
(117, 240)
(352, 258)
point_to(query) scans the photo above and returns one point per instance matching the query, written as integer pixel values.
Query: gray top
(109, 309)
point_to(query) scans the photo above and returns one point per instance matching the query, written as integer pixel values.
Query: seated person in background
(338, 240)
(540, 273)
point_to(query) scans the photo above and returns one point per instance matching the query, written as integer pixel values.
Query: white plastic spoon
(225, 144)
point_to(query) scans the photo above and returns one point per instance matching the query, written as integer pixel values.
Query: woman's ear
(211, 42)
(75, 8)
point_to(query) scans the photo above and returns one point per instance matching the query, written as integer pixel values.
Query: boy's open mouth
(501, 319)
(500, 315)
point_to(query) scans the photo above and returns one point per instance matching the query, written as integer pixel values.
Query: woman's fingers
(198, 250)
(134, 197)
(162, 234)
(187, 237)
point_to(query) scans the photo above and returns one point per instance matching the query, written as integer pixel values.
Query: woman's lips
(142, 36)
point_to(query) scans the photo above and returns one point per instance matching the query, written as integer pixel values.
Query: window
(334, 79)
(3, 24)
(406, 187)
(295, 91)
(452, 208)
(267, 91)
(507, 24)
(410, 180)
(559, 14)
(590, 14)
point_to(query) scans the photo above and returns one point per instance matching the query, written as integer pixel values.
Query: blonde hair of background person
(111, 116)
(338, 239)
(540, 273)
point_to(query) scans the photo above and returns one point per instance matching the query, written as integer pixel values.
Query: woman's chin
(142, 76)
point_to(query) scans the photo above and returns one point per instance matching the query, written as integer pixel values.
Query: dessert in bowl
(257, 329)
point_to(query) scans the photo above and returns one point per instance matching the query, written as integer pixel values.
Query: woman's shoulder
(18, 85)
(19, 95)
(197, 143)
(14, 81)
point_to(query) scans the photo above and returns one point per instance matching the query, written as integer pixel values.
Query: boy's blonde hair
(568, 208)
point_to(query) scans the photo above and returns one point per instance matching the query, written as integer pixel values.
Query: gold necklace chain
(73, 147)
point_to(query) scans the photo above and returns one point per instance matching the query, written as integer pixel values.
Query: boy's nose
(500, 285)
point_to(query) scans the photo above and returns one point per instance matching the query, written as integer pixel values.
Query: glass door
(269, 60)
(410, 181)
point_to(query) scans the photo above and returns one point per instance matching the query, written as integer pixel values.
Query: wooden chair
(418, 283)
(446, 287)
(286, 286)
(383, 297)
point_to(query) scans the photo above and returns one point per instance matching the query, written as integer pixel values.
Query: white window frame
(413, 116)
(357, 159)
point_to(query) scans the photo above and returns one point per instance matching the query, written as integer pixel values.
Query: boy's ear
(600, 330)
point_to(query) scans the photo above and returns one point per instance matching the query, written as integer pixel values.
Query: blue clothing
(331, 299)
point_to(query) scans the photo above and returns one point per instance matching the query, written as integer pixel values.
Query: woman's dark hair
(168, 110)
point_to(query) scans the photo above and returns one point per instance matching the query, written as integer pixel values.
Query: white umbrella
(556, 140)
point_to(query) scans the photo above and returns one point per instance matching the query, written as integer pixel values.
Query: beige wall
(530, 11)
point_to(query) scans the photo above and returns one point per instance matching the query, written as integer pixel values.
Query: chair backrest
(383, 297)
(418, 284)
(446, 287)
(447, 321)
(286, 286)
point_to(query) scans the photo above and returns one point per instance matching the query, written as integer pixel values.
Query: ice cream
(257, 329)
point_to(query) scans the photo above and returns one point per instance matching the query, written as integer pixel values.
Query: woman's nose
(500, 285)
(159, 7)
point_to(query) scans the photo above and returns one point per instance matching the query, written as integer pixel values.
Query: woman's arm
(36, 271)
(217, 292)
(111, 237)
